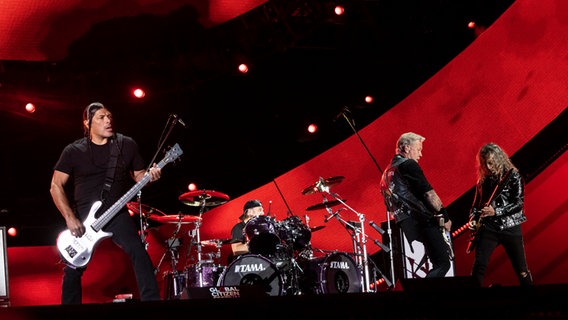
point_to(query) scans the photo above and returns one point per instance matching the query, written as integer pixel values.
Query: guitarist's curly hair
(499, 158)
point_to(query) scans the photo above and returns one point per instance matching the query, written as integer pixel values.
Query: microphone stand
(170, 124)
(351, 124)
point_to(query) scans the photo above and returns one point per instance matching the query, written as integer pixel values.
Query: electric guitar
(77, 251)
(475, 222)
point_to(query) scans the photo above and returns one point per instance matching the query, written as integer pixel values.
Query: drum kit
(195, 262)
(280, 259)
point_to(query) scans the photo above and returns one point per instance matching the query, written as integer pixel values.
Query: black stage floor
(424, 300)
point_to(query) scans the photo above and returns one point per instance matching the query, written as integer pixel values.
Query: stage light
(192, 187)
(12, 231)
(369, 99)
(139, 93)
(243, 68)
(312, 128)
(30, 107)
(339, 10)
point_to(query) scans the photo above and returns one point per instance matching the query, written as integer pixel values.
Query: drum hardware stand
(173, 244)
(358, 236)
(143, 221)
(345, 111)
(198, 243)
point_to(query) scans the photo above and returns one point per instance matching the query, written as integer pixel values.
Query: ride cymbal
(322, 185)
(208, 198)
(324, 205)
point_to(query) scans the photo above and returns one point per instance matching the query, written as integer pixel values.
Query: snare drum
(335, 273)
(261, 235)
(253, 269)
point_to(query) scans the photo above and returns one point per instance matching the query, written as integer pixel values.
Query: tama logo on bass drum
(339, 265)
(249, 267)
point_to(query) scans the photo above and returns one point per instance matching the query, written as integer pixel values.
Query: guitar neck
(111, 212)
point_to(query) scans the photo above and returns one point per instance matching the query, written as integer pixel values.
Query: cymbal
(146, 210)
(322, 184)
(316, 228)
(176, 218)
(210, 197)
(324, 205)
(215, 242)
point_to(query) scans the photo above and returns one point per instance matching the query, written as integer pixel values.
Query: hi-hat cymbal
(175, 218)
(199, 197)
(324, 205)
(322, 184)
(316, 228)
(134, 207)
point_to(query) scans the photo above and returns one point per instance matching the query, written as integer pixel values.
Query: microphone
(345, 109)
(376, 227)
(178, 119)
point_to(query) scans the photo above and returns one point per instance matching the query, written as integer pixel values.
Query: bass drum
(335, 273)
(261, 235)
(253, 269)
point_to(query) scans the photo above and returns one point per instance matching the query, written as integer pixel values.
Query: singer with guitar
(497, 213)
(415, 205)
(102, 166)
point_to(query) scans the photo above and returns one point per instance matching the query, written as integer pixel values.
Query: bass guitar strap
(113, 159)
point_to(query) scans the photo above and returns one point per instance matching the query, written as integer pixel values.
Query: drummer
(252, 208)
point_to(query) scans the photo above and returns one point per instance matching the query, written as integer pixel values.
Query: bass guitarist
(86, 173)
(497, 213)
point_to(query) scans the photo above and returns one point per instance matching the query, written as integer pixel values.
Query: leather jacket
(508, 203)
(399, 200)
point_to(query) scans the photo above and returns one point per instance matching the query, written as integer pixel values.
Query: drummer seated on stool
(239, 246)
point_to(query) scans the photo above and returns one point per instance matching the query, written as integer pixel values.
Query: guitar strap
(113, 159)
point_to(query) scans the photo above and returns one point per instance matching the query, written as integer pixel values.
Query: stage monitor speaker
(420, 285)
(409, 259)
(4, 288)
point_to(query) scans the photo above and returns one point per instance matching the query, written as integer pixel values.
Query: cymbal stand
(173, 243)
(143, 221)
(359, 236)
(199, 244)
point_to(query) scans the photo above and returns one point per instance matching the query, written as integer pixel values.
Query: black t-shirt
(87, 165)
(237, 233)
(417, 181)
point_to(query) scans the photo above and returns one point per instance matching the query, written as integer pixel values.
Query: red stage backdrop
(504, 88)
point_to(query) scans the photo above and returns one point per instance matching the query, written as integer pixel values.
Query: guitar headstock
(171, 155)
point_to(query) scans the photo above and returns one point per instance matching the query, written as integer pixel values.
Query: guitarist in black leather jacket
(498, 212)
(77, 183)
